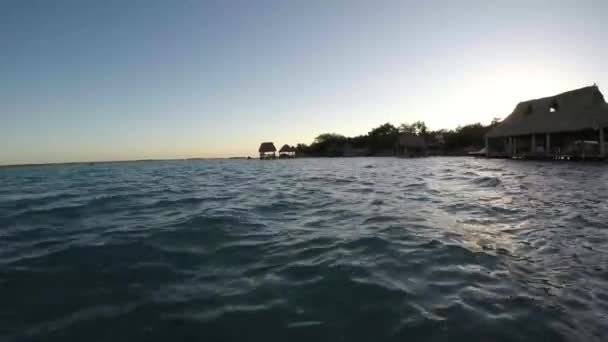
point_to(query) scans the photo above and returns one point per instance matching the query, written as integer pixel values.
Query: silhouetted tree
(406, 128)
(420, 128)
(469, 136)
(384, 130)
(329, 137)
(382, 139)
(302, 149)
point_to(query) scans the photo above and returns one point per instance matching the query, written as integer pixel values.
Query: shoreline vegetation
(382, 140)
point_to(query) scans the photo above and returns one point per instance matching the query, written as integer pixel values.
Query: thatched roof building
(267, 147)
(287, 151)
(267, 150)
(574, 110)
(566, 118)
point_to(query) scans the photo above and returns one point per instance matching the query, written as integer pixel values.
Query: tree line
(381, 140)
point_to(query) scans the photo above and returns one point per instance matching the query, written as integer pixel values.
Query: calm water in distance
(361, 249)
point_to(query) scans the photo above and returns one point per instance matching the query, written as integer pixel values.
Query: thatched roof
(408, 139)
(574, 110)
(285, 148)
(267, 147)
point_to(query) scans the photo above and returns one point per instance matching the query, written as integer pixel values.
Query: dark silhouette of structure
(571, 125)
(267, 151)
(410, 145)
(287, 152)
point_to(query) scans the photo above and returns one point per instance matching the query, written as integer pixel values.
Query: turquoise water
(362, 249)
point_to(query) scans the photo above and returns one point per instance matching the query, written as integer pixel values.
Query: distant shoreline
(113, 162)
(201, 159)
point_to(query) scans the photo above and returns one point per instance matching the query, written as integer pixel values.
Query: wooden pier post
(548, 144)
(533, 144)
(487, 147)
(602, 146)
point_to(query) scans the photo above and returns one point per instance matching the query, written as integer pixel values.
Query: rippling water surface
(362, 249)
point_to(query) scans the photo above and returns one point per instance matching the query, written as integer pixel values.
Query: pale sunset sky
(115, 80)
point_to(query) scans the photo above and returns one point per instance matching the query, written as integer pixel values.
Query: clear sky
(110, 80)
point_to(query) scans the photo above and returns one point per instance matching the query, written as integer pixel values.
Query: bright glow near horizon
(115, 80)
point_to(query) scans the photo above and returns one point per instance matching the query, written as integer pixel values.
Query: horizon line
(116, 161)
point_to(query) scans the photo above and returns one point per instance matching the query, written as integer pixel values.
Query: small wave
(190, 200)
(490, 169)
(279, 206)
(62, 212)
(28, 203)
(109, 200)
(366, 190)
(487, 181)
(304, 324)
(89, 314)
(380, 219)
(452, 177)
(341, 181)
(202, 221)
(370, 243)
(415, 186)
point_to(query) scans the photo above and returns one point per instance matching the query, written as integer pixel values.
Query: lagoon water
(361, 249)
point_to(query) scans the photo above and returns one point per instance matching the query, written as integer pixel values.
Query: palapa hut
(287, 151)
(410, 145)
(267, 150)
(569, 125)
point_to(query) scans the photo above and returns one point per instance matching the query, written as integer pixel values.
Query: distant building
(287, 152)
(349, 151)
(410, 145)
(440, 139)
(571, 124)
(267, 151)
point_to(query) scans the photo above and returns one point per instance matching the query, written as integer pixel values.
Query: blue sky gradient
(115, 80)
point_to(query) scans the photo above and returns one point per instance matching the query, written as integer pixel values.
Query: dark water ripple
(370, 249)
